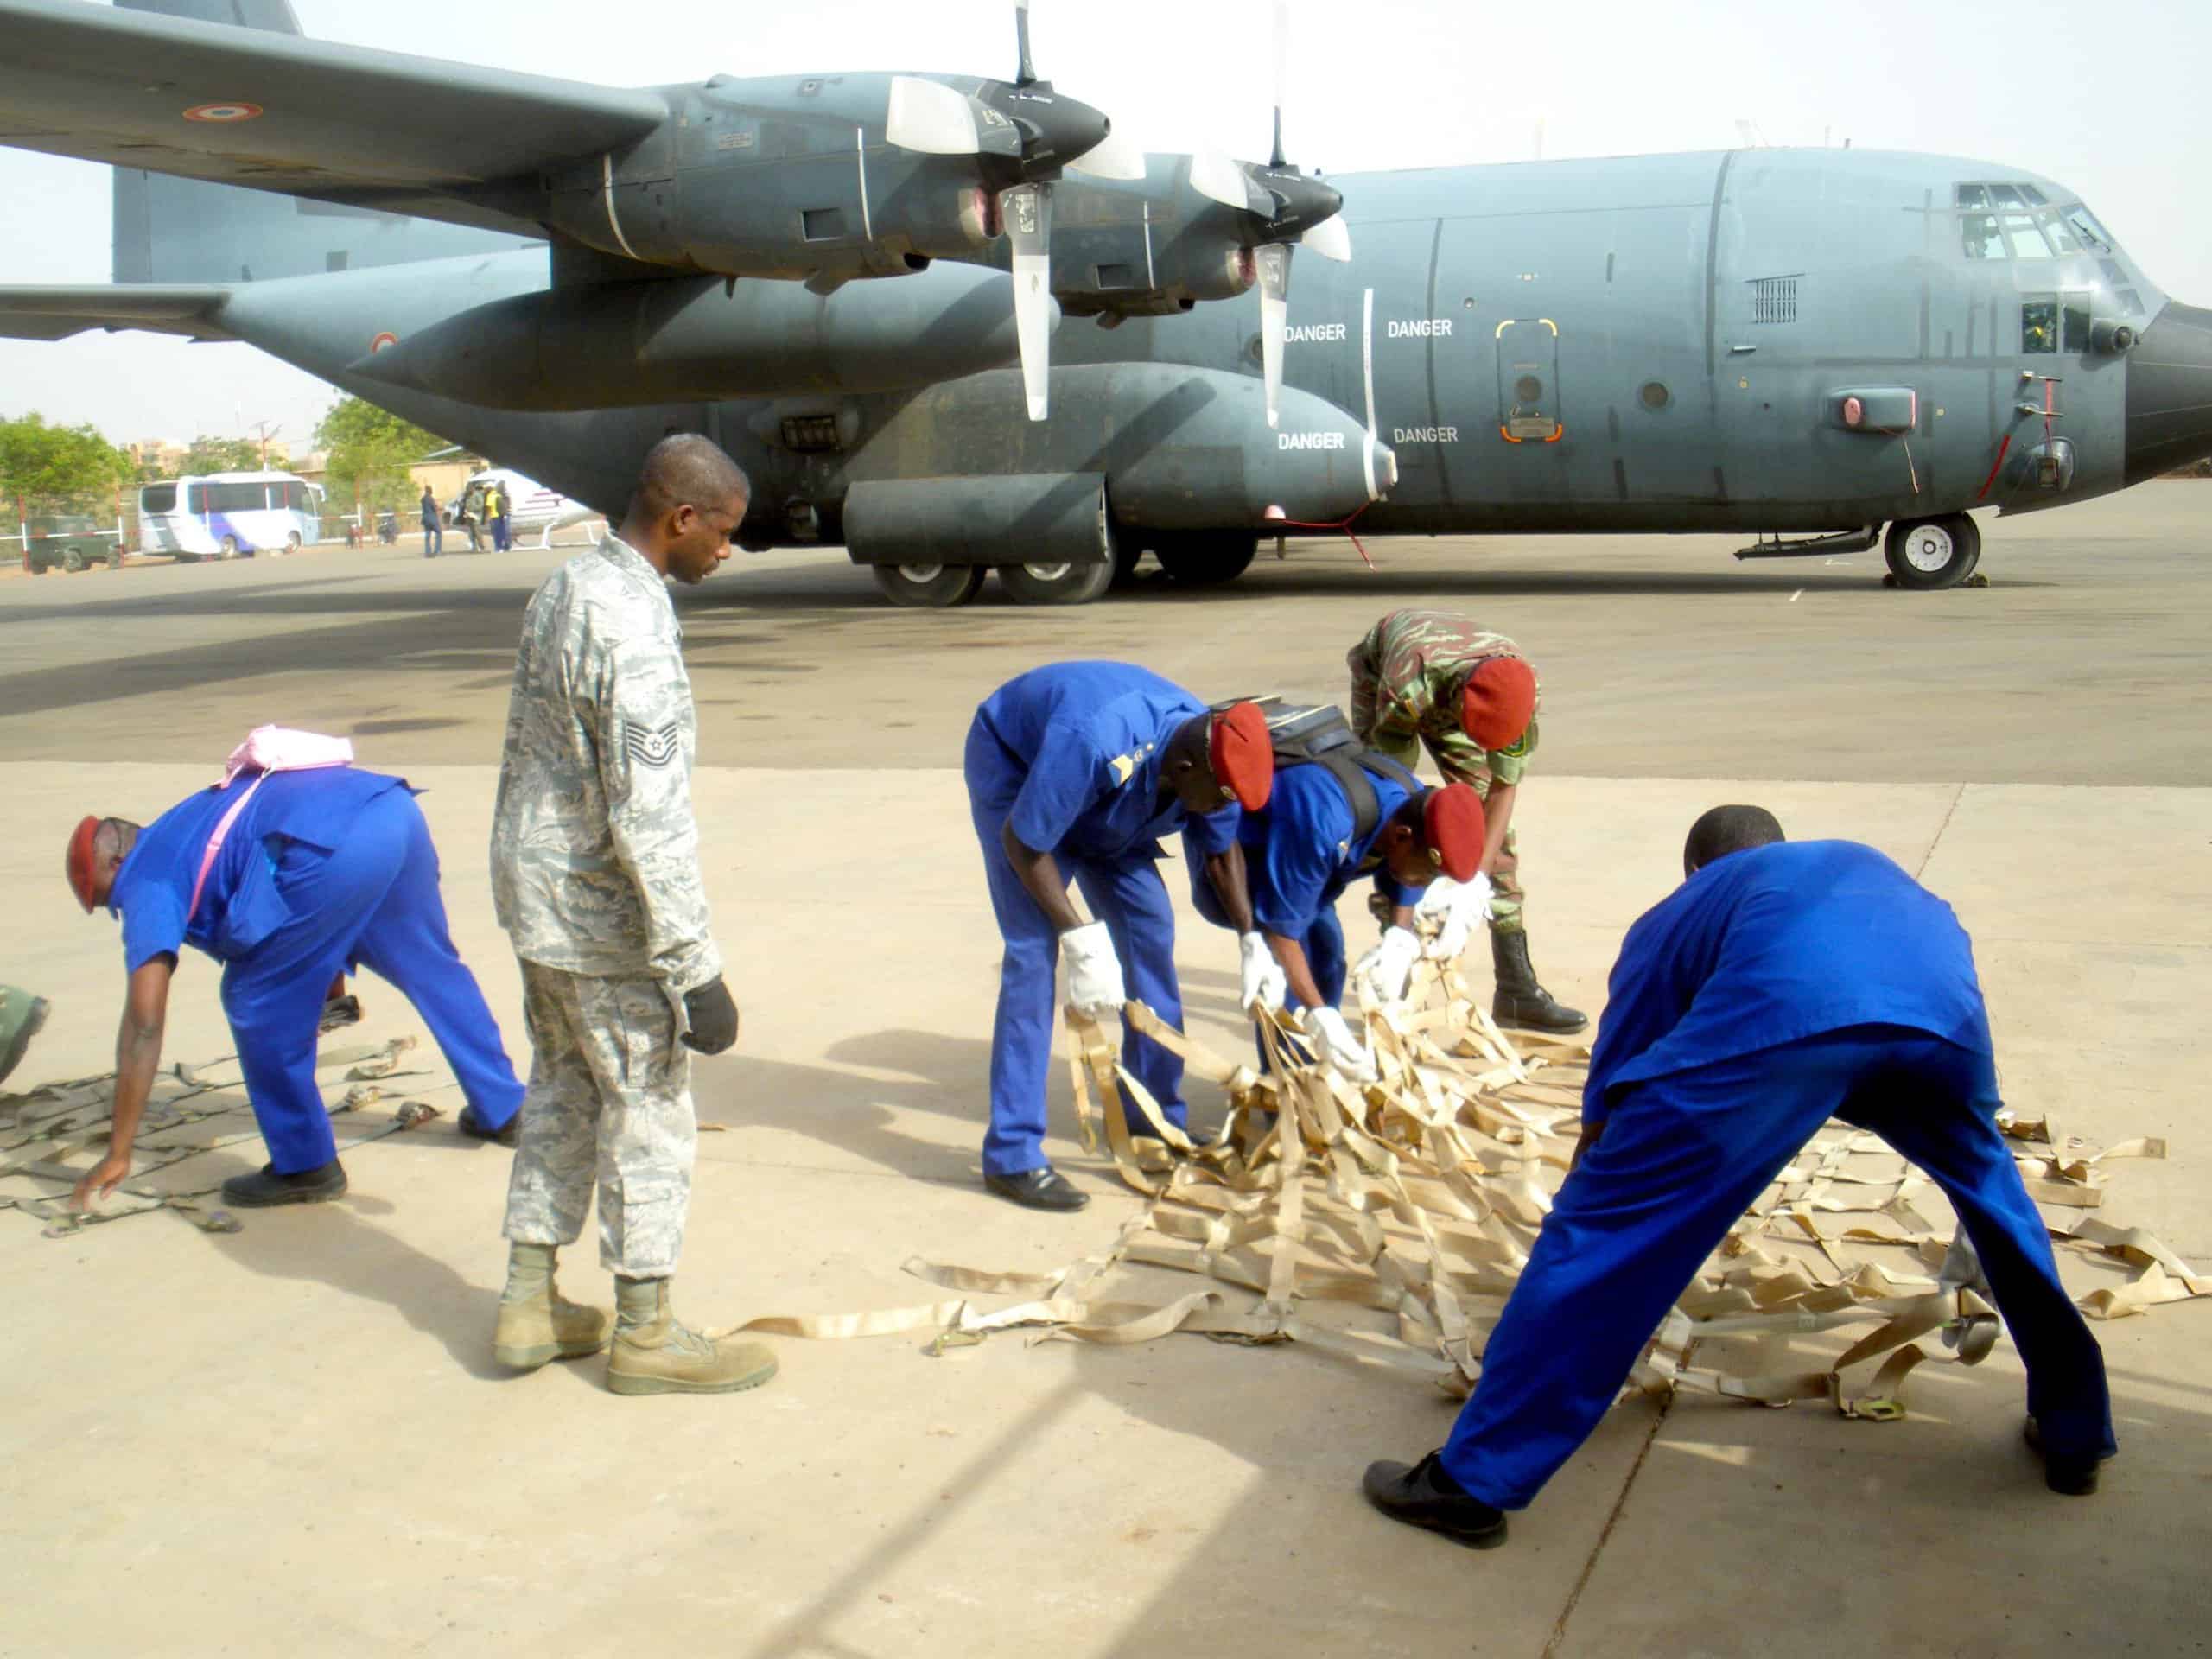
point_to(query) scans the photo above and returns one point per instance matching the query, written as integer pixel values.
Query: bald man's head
(690, 499)
(1728, 829)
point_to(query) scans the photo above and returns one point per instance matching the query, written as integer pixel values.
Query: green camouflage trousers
(20, 1016)
(610, 1105)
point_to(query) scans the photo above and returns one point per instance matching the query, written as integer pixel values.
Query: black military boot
(1521, 1001)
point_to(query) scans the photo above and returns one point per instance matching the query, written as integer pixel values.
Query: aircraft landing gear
(1932, 553)
(1205, 558)
(929, 587)
(1064, 583)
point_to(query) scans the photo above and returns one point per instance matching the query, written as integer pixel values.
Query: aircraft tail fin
(172, 229)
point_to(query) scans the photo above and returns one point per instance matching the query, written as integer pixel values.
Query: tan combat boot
(655, 1352)
(537, 1323)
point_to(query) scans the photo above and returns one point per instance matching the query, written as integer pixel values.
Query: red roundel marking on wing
(382, 340)
(222, 112)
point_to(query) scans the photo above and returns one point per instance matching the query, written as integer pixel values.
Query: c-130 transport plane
(1801, 346)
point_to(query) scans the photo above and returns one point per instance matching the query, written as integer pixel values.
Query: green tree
(371, 450)
(58, 465)
(223, 455)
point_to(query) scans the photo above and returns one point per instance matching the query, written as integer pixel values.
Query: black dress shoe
(1039, 1189)
(266, 1188)
(508, 1134)
(1422, 1495)
(2070, 1477)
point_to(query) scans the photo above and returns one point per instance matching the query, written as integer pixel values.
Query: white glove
(1386, 969)
(1338, 1048)
(1456, 907)
(1264, 979)
(1094, 971)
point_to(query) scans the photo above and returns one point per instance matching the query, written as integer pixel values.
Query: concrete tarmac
(294, 1438)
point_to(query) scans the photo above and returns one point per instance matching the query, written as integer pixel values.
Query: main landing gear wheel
(1205, 558)
(929, 587)
(1931, 553)
(1056, 584)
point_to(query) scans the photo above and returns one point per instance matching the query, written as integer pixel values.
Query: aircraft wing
(304, 118)
(58, 313)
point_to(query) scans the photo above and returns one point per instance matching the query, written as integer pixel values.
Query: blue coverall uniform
(1775, 988)
(1300, 855)
(324, 870)
(1070, 756)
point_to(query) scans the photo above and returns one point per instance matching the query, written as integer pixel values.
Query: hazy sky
(2108, 99)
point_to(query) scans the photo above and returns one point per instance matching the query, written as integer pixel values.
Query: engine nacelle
(775, 179)
(620, 345)
(1148, 248)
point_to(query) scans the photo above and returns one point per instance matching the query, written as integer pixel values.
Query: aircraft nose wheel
(1932, 553)
(929, 587)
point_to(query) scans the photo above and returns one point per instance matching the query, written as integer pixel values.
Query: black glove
(711, 1016)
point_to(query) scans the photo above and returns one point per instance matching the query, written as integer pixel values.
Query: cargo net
(192, 1110)
(1386, 1223)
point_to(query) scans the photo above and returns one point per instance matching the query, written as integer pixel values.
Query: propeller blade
(1217, 178)
(1282, 73)
(1027, 75)
(1274, 261)
(1116, 158)
(1329, 239)
(930, 118)
(1027, 211)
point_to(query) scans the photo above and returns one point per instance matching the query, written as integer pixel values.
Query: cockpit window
(2005, 195)
(1977, 233)
(2026, 241)
(1973, 195)
(2034, 197)
(2084, 224)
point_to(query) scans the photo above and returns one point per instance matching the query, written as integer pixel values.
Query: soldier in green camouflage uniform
(1409, 684)
(596, 876)
(21, 1014)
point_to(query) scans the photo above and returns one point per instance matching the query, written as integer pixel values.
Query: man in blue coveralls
(1304, 850)
(1779, 986)
(323, 869)
(1078, 769)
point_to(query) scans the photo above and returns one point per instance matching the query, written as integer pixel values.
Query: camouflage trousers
(609, 1104)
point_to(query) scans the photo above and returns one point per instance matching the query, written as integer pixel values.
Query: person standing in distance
(595, 877)
(1431, 678)
(434, 535)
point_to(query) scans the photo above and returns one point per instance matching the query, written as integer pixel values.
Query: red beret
(1244, 755)
(1498, 702)
(1453, 826)
(78, 866)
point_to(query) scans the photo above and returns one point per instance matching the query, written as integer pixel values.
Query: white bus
(224, 515)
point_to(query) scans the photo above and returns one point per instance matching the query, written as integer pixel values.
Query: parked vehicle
(66, 541)
(228, 515)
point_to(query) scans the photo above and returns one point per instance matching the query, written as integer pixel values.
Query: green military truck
(66, 541)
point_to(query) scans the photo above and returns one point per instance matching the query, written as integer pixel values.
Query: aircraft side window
(1977, 233)
(2076, 311)
(2039, 324)
(2026, 241)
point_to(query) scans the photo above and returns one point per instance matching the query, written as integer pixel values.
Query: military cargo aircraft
(1803, 347)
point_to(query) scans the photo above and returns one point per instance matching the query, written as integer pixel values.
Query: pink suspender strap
(215, 845)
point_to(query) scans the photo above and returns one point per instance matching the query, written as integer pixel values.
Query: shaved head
(1728, 829)
(690, 498)
(688, 471)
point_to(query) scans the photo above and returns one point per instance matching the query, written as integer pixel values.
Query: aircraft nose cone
(2169, 393)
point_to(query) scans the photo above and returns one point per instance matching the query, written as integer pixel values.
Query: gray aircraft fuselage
(1656, 343)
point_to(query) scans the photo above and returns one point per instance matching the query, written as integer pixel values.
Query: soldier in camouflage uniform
(596, 876)
(21, 1015)
(1431, 678)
